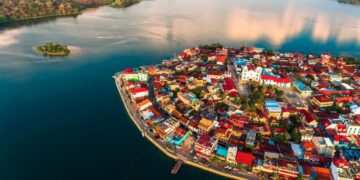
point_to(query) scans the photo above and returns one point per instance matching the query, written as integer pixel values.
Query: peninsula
(250, 113)
(52, 49)
(15, 11)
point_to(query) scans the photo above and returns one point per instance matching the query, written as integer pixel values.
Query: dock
(177, 166)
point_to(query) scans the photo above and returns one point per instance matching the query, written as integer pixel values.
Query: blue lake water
(62, 118)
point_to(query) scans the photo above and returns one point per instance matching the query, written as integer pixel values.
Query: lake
(62, 118)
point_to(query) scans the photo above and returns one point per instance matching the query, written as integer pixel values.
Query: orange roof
(322, 173)
(142, 103)
(308, 145)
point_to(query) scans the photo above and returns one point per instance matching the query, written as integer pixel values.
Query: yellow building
(205, 126)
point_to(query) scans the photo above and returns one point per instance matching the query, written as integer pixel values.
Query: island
(15, 11)
(250, 113)
(52, 49)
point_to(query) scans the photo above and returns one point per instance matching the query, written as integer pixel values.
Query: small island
(52, 49)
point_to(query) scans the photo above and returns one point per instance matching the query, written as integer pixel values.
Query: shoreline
(165, 151)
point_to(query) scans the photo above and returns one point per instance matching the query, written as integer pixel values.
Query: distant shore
(115, 4)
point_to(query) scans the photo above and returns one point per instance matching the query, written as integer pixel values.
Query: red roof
(221, 59)
(308, 145)
(250, 67)
(308, 116)
(229, 85)
(244, 158)
(128, 71)
(204, 140)
(182, 55)
(138, 90)
(340, 162)
(341, 138)
(275, 79)
(233, 94)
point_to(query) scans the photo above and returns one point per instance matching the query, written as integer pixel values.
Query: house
(340, 170)
(231, 155)
(229, 85)
(324, 146)
(190, 99)
(146, 114)
(137, 93)
(178, 136)
(288, 168)
(307, 133)
(308, 118)
(273, 108)
(218, 75)
(205, 146)
(354, 167)
(322, 101)
(352, 128)
(143, 104)
(250, 139)
(130, 75)
(205, 125)
(270, 164)
(355, 109)
(321, 173)
(244, 158)
(221, 60)
(302, 89)
(250, 73)
(221, 152)
(166, 127)
(275, 81)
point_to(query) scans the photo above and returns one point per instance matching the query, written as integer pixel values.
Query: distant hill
(21, 10)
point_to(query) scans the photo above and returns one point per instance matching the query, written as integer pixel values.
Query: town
(250, 112)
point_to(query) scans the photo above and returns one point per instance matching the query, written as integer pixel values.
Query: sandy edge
(169, 154)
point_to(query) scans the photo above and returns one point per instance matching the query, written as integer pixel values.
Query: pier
(177, 166)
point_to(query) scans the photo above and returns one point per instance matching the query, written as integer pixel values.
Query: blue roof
(222, 151)
(301, 86)
(272, 106)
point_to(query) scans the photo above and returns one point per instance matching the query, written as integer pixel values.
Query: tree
(296, 135)
(311, 77)
(295, 119)
(270, 52)
(197, 91)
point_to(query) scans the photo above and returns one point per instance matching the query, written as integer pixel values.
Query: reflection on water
(9, 37)
(167, 26)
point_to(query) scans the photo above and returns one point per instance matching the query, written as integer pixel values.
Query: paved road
(242, 89)
(146, 130)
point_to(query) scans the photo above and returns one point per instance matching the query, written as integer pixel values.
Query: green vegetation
(197, 91)
(53, 49)
(352, 60)
(124, 3)
(211, 46)
(20, 10)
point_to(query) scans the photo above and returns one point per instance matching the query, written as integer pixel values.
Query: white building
(218, 75)
(138, 93)
(249, 72)
(353, 128)
(275, 81)
(231, 155)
